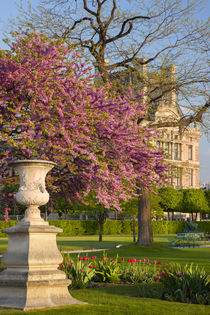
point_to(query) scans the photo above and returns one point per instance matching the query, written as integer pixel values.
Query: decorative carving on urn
(32, 192)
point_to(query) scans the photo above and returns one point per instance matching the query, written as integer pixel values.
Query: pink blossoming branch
(51, 110)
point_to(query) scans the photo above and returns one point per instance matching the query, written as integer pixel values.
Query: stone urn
(32, 279)
(32, 192)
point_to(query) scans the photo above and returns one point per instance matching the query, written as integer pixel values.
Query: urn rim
(13, 163)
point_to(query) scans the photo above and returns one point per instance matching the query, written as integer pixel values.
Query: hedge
(113, 227)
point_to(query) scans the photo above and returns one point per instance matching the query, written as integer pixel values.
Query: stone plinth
(32, 279)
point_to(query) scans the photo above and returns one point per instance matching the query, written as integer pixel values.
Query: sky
(8, 10)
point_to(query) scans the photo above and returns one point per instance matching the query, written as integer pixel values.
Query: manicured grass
(124, 299)
(159, 251)
(91, 241)
(118, 300)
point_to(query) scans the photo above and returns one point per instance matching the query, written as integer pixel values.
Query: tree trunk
(134, 231)
(101, 227)
(145, 236)
(172, 216)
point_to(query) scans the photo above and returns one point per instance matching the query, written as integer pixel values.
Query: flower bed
(84, 271)
(180, 283)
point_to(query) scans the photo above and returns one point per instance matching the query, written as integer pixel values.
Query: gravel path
(82, 250)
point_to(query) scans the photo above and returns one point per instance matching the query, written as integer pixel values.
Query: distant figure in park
(190, 226)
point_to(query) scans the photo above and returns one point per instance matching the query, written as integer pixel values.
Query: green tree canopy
(170, 199)
(194, 201)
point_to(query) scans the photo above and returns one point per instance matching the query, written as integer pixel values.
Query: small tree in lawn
(50, 109)
(171, 199)
(194, 201)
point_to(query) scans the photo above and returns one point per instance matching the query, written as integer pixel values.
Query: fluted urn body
(32, 191)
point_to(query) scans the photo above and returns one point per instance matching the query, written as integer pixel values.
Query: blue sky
(8, 10)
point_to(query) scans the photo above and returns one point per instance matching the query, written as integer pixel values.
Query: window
(178, 177)
(176, 137)
(190, 149)
(190, 177)
(175, 151)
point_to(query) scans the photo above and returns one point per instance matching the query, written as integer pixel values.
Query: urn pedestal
(31, 278)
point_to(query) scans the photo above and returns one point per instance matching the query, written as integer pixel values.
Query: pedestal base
(32, 279)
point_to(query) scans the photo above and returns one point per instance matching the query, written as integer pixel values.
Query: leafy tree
(50, 109)
(207, 195)
(194, 201)
(171, 199)
(164, 32)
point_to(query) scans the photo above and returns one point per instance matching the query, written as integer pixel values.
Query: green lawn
(117, 300)
(159, 251)
(123, 299)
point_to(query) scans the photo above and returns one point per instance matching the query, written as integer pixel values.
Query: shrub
(185, 283)
(112, 227)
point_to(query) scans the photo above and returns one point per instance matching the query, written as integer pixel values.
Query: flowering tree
(50, 109)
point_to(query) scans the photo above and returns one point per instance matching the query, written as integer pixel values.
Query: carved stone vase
(32, 192)
(32, 278)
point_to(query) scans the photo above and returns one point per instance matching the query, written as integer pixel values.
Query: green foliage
(126, 227)
(113, 227)
(70, 227)
(207, 195)
(107, 270)
(185, 283)
(130, 208)
(167, 227)
(171, 199)
(80, 271)
(156, 208)
(194, 200)
(4, 225)
(140, 272)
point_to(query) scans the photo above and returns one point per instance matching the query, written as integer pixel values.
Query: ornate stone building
(181, 144)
